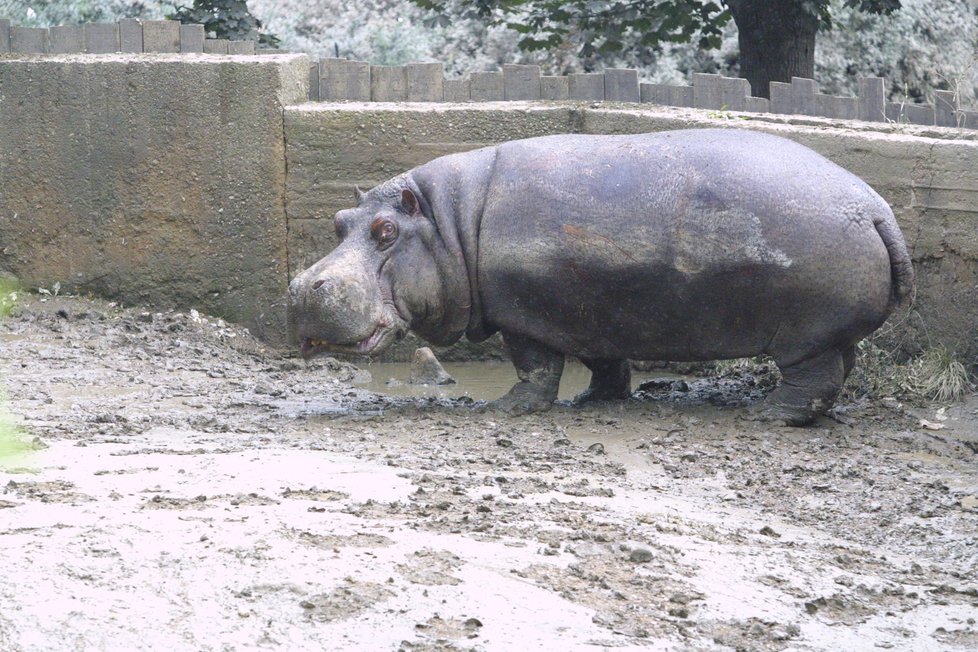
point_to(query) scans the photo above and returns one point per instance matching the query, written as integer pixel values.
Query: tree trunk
(777, 41)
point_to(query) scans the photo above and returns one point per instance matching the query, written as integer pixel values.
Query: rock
(641, 555)
(426, 370)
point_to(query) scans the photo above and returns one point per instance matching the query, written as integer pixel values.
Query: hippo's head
(390, 273)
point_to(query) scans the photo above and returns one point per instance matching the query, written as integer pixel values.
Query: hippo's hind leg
(808, 388)
(610, 380)
(848, 361)
(539, 368)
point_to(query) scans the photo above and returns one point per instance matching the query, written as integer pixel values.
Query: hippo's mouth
(378, 340)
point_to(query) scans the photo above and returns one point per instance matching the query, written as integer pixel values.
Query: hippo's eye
(383, 231)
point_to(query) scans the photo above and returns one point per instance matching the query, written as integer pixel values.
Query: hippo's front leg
(538, 367)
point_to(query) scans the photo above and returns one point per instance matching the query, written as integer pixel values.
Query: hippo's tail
(901, 266)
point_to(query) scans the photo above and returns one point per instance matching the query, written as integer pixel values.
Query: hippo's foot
(782, 414)
(590, 395)
(538, 367)
(808, 388)
(611, 380)
(524, 398)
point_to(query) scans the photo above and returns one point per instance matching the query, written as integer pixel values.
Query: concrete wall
(929, 177)
(154, 179)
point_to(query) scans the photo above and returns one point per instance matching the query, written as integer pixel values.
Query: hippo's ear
(410, 203)
(358, 195)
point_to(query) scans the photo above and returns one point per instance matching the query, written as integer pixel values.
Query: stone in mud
(426, 370)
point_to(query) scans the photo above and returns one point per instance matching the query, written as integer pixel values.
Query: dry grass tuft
(938, 376)
(932, 375)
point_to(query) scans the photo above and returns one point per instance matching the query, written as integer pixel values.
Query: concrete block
(968, 119)
(667, 95)
(486, 86)
(734, 92)
(425, 82)
(66, 39)
(521, 82)
(554, 88)
(342, 79)
(945, 106)
(706, 91)
(192, 38)
(114, 200)
(242, 47)
(28, 40)
(458, 90)
(832, 106)
(314, 81)
(161, 36)
(781, 98)
(130, 35)
(758, 105)
(215, 45)
(4, 35)
(680, 95)
(894, 112)
(803, 96)
(872, 99)
(586, 86)
(653, 93)
(621, 85)
(919, 114)
(388, 84)
(102, 38)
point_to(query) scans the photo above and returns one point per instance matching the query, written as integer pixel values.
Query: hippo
(689, 245)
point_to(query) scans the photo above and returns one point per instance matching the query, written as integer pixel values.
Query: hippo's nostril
(318, 284)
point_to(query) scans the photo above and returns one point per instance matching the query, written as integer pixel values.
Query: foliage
(44, 13)
(388, 32)
(8, 296)
(228, 19)
(597, 27)
(10, 442)
(929, 44)
(601, 27)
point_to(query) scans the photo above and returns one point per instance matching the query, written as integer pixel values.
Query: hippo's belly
(583, 301)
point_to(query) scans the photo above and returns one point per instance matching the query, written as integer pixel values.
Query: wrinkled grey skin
(684, 246)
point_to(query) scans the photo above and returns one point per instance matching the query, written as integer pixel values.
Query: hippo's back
(691, 244)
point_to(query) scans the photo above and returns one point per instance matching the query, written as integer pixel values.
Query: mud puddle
(480, 381)
(187, 489)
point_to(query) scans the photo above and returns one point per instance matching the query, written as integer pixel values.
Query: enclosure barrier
(333, 79)
(128, 35)
(341, 79)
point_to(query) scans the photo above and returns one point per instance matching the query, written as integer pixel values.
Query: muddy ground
(189, 490)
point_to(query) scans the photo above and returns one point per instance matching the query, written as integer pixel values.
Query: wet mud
(188, 489)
